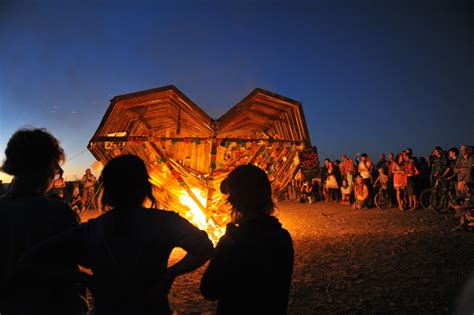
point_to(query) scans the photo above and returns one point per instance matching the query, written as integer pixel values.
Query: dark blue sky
(373, 76)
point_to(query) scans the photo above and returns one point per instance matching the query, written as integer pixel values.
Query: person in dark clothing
(128, 247)
(251, 270)
(2, 189)
(27, 217)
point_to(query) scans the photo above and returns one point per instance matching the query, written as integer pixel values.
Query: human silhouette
(250, 272)
(127, 248)
(27, 217)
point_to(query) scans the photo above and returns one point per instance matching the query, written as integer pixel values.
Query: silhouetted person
(250, 272)
(128, 247)
(88, 195)
(27, 217)
(2, 189)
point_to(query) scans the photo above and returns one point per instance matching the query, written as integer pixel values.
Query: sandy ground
(361, 261)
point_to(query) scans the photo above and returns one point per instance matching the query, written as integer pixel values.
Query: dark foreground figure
(251, 270)
(27, 217)
(128, 247)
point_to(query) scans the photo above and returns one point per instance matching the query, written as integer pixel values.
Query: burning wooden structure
(188, 153)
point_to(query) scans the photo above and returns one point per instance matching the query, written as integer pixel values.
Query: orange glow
(197, 217)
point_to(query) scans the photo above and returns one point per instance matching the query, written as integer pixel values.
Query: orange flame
(197, 217)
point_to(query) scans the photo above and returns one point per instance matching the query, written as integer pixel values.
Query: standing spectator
(464, 168)
(331, 182)
(390, 188)
(365, 171)
(2, 189)
(324, 175)
(349, 170)
(411, 173)
(450, 173)
(28, 217)
(439, 164)
(399, 179)
(88, 195)
(251, 270)
(316, 189)
(424, 176)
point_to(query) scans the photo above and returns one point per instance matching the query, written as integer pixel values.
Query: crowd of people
(402, 177)
(127, 248)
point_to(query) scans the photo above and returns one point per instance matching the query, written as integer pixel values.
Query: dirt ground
(360, 262)
(363, 262)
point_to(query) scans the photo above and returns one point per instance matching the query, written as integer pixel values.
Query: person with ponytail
(128, 247)
(251, 270)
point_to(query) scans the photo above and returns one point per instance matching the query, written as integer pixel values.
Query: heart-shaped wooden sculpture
(188, 153)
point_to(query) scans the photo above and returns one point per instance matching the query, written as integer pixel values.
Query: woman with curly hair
(250, 272)
(27, 217)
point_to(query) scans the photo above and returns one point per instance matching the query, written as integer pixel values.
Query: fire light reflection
(196, 216)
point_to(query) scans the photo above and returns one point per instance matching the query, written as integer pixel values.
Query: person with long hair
(128, 247)
(28, 217)
(399, 179)
(251, 270)
(361, 194)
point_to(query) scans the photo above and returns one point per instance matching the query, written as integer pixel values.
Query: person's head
(359, 181)
(363, 157)
(391, 156)
(126, 183)
(469, 189)
(409, 151)
(326, 162)
(344, 182)
(406, 157)
(34, 155)
(437, 151)
(343, 157)
(249, 192)
(400, 157)
(88, 171)
(381, 171)
(382, 157)
(76, 184)
(453, 153)
(466, 150)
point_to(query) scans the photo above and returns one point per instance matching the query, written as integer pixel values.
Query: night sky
(373, 76)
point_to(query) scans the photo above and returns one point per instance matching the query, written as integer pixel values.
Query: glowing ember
(196, 216)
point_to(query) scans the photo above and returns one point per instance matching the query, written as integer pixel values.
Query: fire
(197, 217)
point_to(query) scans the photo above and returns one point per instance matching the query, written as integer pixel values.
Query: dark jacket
(25, 221)
(251, 270)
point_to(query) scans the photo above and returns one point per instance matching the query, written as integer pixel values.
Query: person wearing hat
(251, 270)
